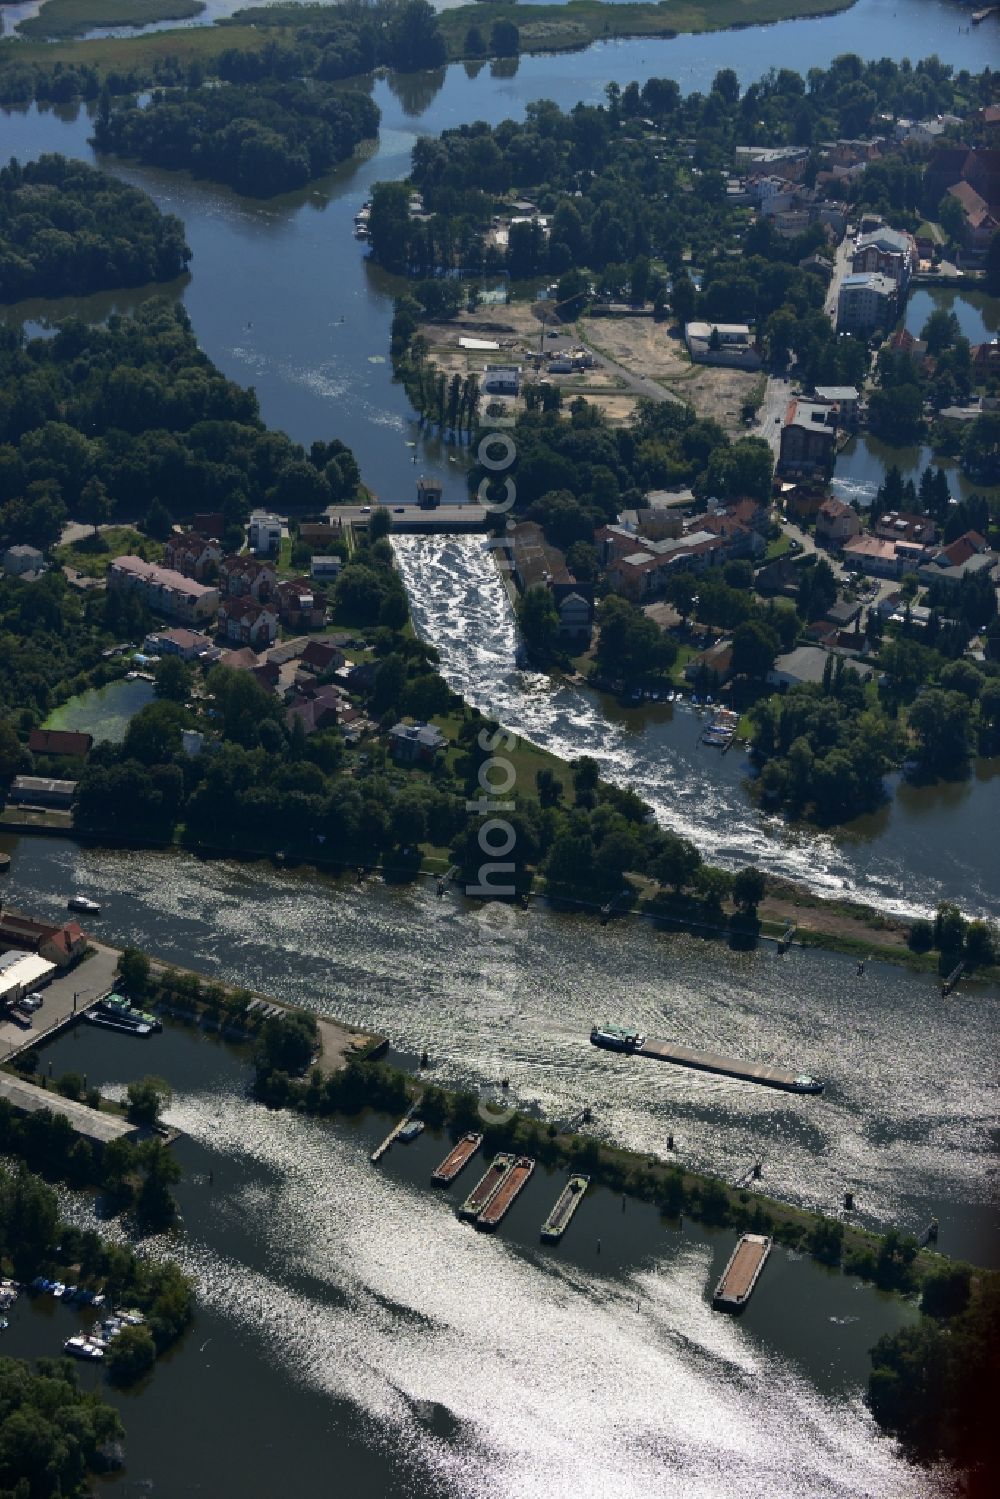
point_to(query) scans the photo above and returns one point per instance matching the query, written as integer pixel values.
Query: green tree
(173, 679)
(755, 646)
(749, 887)
(146, 1096)
(538, 620)
(131, 1355)
(133, 970)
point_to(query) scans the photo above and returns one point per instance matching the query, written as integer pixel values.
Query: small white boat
(411, 1129)
(79, 1347)
(83, 903)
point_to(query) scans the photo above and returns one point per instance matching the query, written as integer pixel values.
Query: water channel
(344, 1316)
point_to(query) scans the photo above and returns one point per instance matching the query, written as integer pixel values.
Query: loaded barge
(742, 1273)
(486, 1187)
(502, 1200)
(567, 1203)
(621, 1038)
(456, 1160)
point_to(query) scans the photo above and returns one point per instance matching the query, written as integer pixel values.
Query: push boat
(617, 1037)
(502, 1200)
(456, 1160)
(566, 1205)
(488, 1184)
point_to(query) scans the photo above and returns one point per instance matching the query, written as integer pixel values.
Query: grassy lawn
(67, 18)
(778, 548)
(93, 554)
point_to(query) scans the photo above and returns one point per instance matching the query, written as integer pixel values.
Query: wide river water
(346, 1324)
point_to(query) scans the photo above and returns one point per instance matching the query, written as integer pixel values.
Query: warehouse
(20, 973)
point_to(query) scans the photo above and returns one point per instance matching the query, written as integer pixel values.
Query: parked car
(31, 1002)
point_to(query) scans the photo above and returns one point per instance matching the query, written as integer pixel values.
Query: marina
(741, 1274)
(721, 730)
(486, 1187)
(566, 1205)
(393, 1135)
(456, 1160)
(502, 1200)
(711, 1061)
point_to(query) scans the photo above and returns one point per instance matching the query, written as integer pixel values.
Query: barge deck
(502, 1200)
(742, 1273)
(486, 1187)
(711, 1061)
(456, 1160)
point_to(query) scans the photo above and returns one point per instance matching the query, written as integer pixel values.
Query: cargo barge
(456, 1160)
(486, 1186)
(566, 1205)
(502, 1200)
(711, 1061)
(742, 1273)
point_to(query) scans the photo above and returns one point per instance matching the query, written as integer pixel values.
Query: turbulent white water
(558, 1381)
(459, 604)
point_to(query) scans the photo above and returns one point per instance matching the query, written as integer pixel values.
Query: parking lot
(72, 989)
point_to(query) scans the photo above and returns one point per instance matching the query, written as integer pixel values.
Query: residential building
(323, 708)
(297, 606)
(717, 659)
(881, 558)
(60, 742)
(42, 791)
(866, 301)
(576, 614)
(190, 645)
(267, 672)
(242, 576)
(209, 523)
(844, 613)
(58, 944)
(980, 222)
(968, 556)
(836, 523)
(18, 560)
(264, 533)
(899, 525)
(416, 743)
(322, 656)
(722, 344)
(194, 555)
(891, 252)
(164, 590)
(319, 533)
(246, 622)
(641, 574)
(325, 569)
(806, 663)
(844, 399)
(808, 439)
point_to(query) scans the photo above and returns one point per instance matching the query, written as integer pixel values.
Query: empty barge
(711, 1061)
(566, 1205)
(456, 1160)
(742, 1273)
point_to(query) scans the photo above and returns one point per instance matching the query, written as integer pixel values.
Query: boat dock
(456, 1160)
(742, 1273)
(566, 1205)
(721, 730)
(711, 1061)
(392, 1136)
(502, 1200)
(485, 1188)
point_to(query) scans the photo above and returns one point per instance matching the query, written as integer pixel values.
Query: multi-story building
(164, 590)
(192, 554)
(891, 252)
(246, 622)
(808, 439)
(264, 533)
(867, 300)
(244, 576)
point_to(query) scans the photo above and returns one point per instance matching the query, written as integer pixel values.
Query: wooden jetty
(393, 1135)
(456, 1160)
(486, 1186)
(742, 1273)
(951, 982)
(711, 1061)
(566, 1205)
(501, 1201)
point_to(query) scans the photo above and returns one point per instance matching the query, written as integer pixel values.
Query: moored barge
(456, 1160)
(742, 1273)
(566, 1205)
(486, 1186)
(502, 1200)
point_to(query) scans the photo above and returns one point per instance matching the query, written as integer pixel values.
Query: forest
(67, 229)
(268, 138)
(130, 417)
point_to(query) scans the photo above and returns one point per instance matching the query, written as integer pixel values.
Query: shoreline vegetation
(63, 19)
(541, 29)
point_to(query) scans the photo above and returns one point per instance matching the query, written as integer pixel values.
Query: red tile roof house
(246, 622)
(267, 673)
(57, 944)
(60, 742)
(239, 576)
(901, 525)
(836, 523)
(193, 555)
(297, 605)
(321, 657)
(324, 710)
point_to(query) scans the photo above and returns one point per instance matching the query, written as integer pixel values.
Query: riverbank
(361, 1079)
(62, 19)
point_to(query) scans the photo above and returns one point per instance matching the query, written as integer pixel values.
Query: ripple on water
(630, 1388)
